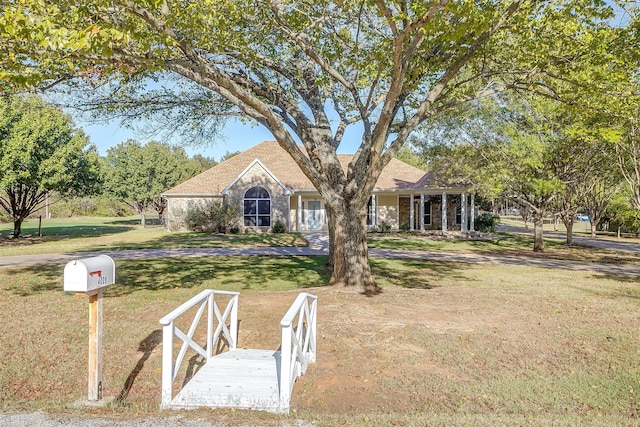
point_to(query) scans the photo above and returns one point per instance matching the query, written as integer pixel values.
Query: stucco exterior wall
(387, 210)
(257, 176)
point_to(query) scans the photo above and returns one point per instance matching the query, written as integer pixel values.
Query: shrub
(279, 227)
(212, 216)
(405, 227)
(486, 222)
(384, 227)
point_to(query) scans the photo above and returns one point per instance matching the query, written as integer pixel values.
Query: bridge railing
(205, 300)
(298, 348)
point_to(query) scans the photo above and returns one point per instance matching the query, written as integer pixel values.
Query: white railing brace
(205, 299)
(298, 344)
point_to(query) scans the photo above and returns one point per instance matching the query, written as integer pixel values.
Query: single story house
(268, 186)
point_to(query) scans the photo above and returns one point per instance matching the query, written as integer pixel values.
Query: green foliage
(205, 163)
(486, 222)
(278, 227)
(410, 157)
(622, 215)
(213, 217)
(382, 227)
(405, 227)
(137, 174)
(41, 152)
(89, 206)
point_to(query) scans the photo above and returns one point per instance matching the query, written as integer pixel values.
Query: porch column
(299, 212)
(473, 213)
(444, 212)
(421, 212)
(411, 213)
(463, 212)
(374, 210)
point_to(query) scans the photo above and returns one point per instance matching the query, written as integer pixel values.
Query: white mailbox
(89, 274)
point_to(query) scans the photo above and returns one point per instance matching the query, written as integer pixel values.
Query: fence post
(313, 325)
(233, 322)
(167, 365)
(285, 368)
(209, 349)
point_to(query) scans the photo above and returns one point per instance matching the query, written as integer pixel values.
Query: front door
(314, 217)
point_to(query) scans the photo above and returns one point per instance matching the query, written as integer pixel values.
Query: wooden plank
(94, 389)
(242, 378)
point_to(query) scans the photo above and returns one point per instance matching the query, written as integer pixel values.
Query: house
(268, 186)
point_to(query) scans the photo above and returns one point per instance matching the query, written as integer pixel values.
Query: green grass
(505, 243)
(501, 242)
(101, 234)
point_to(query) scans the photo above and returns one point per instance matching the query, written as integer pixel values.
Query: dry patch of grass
(444, 344)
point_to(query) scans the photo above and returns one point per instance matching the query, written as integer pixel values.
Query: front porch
(454, 211)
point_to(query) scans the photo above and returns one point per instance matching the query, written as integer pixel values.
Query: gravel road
(40, 419)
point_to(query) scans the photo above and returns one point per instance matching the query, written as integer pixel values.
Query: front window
(427, 212)
(371, 213)
(257, 208)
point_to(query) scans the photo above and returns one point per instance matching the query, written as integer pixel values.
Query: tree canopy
(41, 152)
(309, 70)
(138, 174)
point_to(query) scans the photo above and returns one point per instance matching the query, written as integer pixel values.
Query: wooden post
(95, 346)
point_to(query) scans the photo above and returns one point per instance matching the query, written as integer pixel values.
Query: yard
(444, 344)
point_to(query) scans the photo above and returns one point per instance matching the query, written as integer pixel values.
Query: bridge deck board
(240, 378)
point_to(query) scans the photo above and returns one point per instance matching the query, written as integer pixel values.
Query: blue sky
(236, 136)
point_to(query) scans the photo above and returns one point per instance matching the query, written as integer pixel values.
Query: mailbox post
(89, 276)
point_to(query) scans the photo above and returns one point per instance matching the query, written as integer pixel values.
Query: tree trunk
(350, 253)
(538, 242)
(594, 225)
(17, 227)
(143, 218)
(569, 226)
(332, 240)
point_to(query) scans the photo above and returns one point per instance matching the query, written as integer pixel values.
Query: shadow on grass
(225, 273)
(33, 279)
(55, 234)
(623, 291)
(194, 240)
(146, 346)
(415, 274)
(513, 241)
(239, 273)
(150, 222)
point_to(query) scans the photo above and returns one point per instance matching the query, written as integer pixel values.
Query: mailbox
(89, 274)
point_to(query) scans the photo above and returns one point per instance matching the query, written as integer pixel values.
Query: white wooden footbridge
(237, 378)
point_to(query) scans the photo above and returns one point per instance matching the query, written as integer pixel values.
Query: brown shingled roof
(397, 175)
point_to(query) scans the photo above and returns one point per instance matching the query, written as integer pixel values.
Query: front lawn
(444, 344)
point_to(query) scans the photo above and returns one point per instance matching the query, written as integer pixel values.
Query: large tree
(137, 174)
(41, 151)
(308, 70)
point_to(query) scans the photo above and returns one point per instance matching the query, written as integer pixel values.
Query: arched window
(257, 208)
